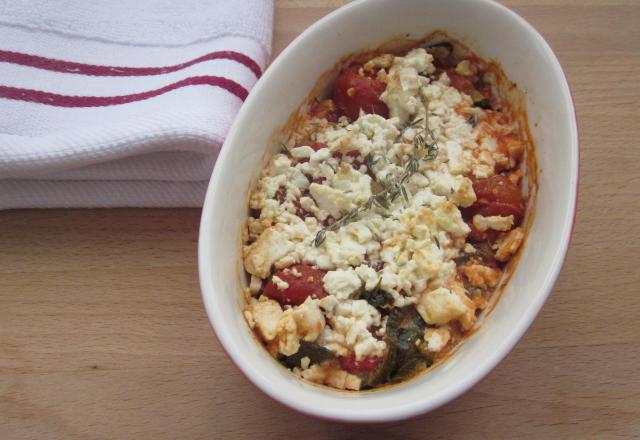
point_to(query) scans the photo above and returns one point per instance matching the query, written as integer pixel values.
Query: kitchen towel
(117, 103)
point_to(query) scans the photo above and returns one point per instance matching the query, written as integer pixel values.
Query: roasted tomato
(497, 195)
(304, 282)
(353, 92)
(364, 365)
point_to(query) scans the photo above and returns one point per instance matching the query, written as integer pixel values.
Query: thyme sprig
(426, 149)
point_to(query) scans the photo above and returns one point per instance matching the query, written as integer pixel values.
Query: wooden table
(103, 334)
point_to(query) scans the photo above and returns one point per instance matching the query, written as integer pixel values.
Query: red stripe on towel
(95, 70)
(101, 101)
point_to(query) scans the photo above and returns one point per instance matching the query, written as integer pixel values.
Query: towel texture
(122, 103)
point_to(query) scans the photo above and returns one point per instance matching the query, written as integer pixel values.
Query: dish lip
(415, 408)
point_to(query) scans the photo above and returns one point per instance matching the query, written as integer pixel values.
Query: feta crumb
(280, 283)
(469, 249)
(303, 152)
(495, 222)
(342, 283)
(328, 375)
(440, 306)
(287, 334)
(465, 68)
(255, 285)
(309, 319)
(368, 276)
(509, 244)
(436, 338)
(332, 200)
(293, 271)
(482, 276)
(349, 332)
(265, 315)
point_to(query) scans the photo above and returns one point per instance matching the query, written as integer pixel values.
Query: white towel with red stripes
(120, 103)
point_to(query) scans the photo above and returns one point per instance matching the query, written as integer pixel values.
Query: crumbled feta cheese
(255, 284)
(404, 83)
(509, 244)
(482, 276)
(332, 200)
(342, 283)
(280, 283)
(329, 375)
(265, 315)
(368, 276)
(343, 248)
(309, 320)
(280, 245)
(465, 68)
(495, 222)
(350, 321)
(355, 185)
(270, 246)
(458, 189)
(449, 218)
(287, 334)
(303, 152)
(436, 338)
(293, 271)
(379, 62)
(440, 306)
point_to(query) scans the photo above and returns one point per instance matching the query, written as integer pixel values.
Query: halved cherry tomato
(364, 365)
(353, 92)
(307, 284)
(497, 195)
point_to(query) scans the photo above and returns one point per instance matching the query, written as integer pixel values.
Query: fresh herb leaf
(404, 193)
(320, 237)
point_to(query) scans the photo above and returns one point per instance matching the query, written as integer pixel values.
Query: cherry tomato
(307, 284)
(497, 195)
(364, 365)
(353, 92)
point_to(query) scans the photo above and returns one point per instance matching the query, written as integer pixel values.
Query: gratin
(381, 231)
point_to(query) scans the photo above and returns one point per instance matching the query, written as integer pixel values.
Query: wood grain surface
(103, 334)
